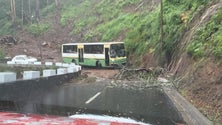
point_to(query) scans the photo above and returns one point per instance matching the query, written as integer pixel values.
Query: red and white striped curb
(7, 118)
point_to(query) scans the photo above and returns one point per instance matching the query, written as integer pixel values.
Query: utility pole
(161, 23)
(30, 9)
(13, 15)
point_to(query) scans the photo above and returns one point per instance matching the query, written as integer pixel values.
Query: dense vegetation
(137, 22)
(208, 39)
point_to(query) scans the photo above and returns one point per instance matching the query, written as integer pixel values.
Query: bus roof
(93, 43)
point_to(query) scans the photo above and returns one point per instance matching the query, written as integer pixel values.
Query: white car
(24, 59)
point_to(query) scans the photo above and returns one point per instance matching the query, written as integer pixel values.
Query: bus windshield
(117, 50)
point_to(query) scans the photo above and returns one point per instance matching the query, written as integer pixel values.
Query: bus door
(81, 59)
(107, 56)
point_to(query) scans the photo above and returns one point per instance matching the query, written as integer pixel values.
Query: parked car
(23, 59)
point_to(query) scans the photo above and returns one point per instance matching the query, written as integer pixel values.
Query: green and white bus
(99, 54)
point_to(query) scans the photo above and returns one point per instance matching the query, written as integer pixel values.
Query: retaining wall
(23, 90)
(189, 113)
(34, 85)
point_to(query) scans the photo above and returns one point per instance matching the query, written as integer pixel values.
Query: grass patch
(2, 54)
(38, 29)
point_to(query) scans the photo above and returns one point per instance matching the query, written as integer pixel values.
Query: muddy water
(149, 105)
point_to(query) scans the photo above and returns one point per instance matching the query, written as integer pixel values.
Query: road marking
(92, 98)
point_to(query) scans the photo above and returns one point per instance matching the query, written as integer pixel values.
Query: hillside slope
(200, 78)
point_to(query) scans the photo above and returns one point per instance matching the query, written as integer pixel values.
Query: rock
(25, 50)
(8, 40)
(163, 80)
(44, 44)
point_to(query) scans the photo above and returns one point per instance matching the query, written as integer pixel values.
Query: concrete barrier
(7, 77)
(71, 69)
(78, 68)
(58, 64)
(37, 63)
(72, 65)
(10, 62)
(65, 65)
(49, 72)
(63, 68)
(31, 75)
(48, 63)
(61, 71)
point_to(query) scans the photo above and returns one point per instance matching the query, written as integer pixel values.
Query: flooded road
(148, 105)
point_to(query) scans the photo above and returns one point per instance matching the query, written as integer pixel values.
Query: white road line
(92, 98)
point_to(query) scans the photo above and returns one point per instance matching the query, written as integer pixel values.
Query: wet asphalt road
(149, 105)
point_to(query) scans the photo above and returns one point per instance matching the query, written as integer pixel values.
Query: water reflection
(148, 105)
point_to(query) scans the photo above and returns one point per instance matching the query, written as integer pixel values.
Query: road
(95, 92)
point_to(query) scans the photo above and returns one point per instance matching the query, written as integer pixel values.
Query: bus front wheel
(98, 64)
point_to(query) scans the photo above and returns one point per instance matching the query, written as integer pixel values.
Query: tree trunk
(29, 8)
(13, 11)
(30, 12)
(56, 2)
(37, 16)
(58, 8)
(47, 3)
(12, 14)
(22, 13)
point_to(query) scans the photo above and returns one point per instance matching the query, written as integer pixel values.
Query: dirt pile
(46, 47)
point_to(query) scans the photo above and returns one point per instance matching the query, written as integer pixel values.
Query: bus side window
(99, 49)
(74, 49)
(70, 49)
(93, 49)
